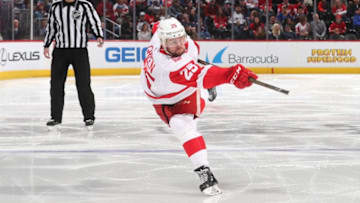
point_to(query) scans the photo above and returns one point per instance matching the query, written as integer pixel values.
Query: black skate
(212, 94)
(209, 184)
(53, 124)
(89, 124)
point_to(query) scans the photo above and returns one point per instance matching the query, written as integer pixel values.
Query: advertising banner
(25, 59)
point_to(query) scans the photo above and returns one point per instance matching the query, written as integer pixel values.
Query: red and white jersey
(168, 80)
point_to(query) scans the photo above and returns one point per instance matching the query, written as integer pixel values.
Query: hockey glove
(240, 76)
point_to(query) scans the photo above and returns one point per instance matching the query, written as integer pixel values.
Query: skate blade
(90, 127)
(213, 190)
(53, 128)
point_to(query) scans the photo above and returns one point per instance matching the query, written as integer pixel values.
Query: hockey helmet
(170, 28)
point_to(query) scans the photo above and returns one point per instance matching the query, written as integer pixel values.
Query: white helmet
(170, 28)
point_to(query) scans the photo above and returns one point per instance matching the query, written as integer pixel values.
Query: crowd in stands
(288, 19)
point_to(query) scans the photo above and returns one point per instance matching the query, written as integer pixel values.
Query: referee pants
(79, 59)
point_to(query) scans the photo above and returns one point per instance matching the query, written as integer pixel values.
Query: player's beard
(178, 52)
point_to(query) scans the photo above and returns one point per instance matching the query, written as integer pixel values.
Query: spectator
(353, 6)
(193, 15)
(318, 28)
(290, 22)
(141, 21)
(299, 12)
(339, 8)
(259, 33)
(301, 5)
(244, 8)
(238, 16)
(284, 15)
(176, 9)
(324, 10)
(127, 28)
(276, 33)
(185, 20)
(356, 23)
(155, 7)
(17, 31)
(303, 28)
(337, 29)
(140, 5)
(288, 34)
(254, 26)
(204, 33)
(227, 8)
(285, 5)
(252, 16)
(42, 29)
(220, 22)
(241, 31)
(211, 9)
(109, 10)
(191, 31)
(262, 5)
(20, 4)
(40, 11)
(149, 17)
(252, 4)
(272, 22)
(120, 8)
(145, 32)
(188, 7)
(308, 3)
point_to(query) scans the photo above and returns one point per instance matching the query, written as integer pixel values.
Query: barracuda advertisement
(297, 54)
(125, 57)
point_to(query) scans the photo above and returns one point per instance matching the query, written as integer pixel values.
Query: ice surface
(263, 146)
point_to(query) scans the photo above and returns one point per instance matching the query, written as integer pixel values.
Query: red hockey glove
(240, 76)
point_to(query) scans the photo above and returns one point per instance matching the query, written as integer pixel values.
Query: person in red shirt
(211, 9)
(337, 29)
(109, 10)
(339, 8)
(262, 4)
(149, 17)
(220, 23)
(285, 5)
(324, 10)
(254, 27)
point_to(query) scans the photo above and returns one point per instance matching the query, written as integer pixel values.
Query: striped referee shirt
(67, 24)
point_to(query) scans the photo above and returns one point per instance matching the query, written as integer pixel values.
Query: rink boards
(21, 59)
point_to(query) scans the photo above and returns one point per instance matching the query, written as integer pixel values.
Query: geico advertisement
(282, 54)
(117, 54)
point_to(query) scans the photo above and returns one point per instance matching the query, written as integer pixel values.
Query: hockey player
(172, 80)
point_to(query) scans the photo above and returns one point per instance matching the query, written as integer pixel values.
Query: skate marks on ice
(263, 146)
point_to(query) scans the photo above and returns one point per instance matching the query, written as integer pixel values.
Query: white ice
(264, 147)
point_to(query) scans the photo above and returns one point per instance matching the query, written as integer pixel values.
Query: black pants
(79, 59)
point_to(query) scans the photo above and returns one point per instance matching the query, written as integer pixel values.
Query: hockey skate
(89, 124)
(209, 184)
(53, 125)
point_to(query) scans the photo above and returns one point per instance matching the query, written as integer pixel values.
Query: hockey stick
(278, 89)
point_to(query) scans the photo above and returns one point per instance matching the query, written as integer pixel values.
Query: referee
(67, 24)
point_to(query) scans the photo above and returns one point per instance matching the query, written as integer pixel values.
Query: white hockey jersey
(168, 80)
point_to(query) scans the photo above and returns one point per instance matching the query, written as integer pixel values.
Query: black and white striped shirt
(67, 24)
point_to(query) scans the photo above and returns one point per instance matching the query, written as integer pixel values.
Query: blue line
(318, 150)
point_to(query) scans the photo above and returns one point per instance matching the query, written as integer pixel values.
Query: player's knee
(183, 127)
